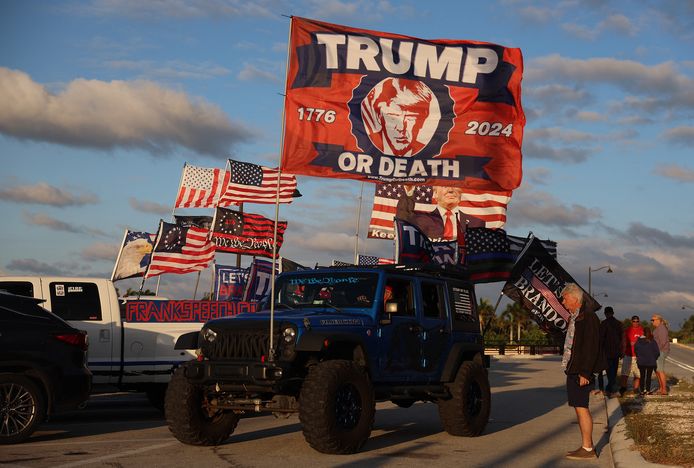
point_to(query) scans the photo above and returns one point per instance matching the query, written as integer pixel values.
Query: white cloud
(45, 194)
(100, 251)
(673, 171)
(149, 207)
(680, 135)
(116, 114)
(252, 73)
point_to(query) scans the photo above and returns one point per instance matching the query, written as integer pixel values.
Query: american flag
(340, 263)
(486, 205)
(180, 250)
(517, 243)
(256, 184)
(245, 233)
(373, 260)
(201, 187)
(488, 255)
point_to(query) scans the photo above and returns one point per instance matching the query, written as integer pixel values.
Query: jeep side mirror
(391, 308)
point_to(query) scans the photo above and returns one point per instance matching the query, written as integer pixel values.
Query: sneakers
(582, 454)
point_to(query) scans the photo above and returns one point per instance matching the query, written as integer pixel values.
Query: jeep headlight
(208, 334)
(289, 335)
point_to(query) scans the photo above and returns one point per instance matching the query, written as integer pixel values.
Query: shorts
(660, 363)
(627, 368)
(578, 396)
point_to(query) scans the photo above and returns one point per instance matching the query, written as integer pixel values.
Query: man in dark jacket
(611, 332)
(581, 360)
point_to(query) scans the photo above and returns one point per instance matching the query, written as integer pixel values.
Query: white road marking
(681, 364)
(117, 455)
(95, 442)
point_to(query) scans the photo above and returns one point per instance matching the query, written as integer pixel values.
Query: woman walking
(662, 338)
(646, 350)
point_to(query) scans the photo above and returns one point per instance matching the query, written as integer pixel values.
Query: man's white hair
(574, 290)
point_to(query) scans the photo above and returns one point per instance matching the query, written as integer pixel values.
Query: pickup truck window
(21, 288)
(75, 300)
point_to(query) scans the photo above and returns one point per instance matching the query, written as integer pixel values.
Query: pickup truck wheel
(466, 413)
(189, 417)
(336, 407)
(22, 408)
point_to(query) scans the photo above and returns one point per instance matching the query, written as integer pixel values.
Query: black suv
(43, 366)
(342, 339)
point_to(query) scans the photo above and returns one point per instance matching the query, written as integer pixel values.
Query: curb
(624, 455)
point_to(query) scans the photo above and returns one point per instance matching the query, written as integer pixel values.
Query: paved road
(680, 362)
(530, 426)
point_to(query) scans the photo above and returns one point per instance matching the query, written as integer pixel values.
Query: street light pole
(591, 270)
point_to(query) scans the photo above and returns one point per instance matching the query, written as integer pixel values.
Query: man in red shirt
(631, 334)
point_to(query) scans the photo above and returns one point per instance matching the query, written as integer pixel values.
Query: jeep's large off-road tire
(189, 420)
(337, 407)
(22, 408)
(466, 413)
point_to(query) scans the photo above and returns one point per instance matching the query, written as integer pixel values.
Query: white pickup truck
(131, 343)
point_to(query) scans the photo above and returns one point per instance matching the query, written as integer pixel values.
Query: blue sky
(101, 103)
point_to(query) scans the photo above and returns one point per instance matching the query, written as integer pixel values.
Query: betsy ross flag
(536, 282)
(488, 255)
(201, 187)
(245, 233)
(180, 250)
(373, 260)
(257, 184)
(391, 200)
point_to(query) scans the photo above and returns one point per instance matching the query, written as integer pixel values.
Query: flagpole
(173, 219)
(120, 252)
(356, 235)
(144, 276)
(271, 350)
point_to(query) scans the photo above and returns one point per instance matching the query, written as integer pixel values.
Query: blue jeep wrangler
(342, 339)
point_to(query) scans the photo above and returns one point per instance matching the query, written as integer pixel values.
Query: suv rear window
(75, 301)
(20, 288)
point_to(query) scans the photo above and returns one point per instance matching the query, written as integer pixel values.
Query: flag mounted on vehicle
(536, 282)
(417, 203)
(488, 255)
(382, 107)
(413, 246)
(251, 183)
(180, 250)
(134, 255)
(201, 187)
(245, 233)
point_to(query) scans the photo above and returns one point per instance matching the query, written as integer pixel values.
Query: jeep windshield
(332, 290)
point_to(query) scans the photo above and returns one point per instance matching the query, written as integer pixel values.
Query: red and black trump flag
(245, 233)
(384, 107)
(537, 282)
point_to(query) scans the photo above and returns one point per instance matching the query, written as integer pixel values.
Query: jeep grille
(241, 344)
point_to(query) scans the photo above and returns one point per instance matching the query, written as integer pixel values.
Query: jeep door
(398, 344)
(434, 333)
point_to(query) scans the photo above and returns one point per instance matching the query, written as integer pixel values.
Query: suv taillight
(78, 339)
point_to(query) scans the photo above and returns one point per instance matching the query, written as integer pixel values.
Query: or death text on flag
(246, 233)
(487, 255)
(201, 187)
(251, 183)
(180, 250)
(444, 111)
(536, 282)
(134, 255)
(416, 204)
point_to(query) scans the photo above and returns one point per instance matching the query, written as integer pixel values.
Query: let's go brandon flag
(384, 107)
